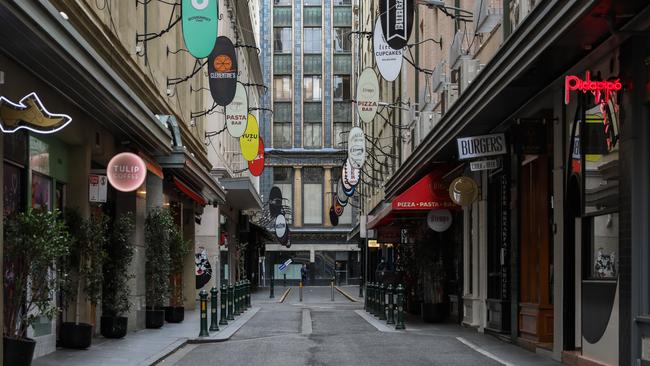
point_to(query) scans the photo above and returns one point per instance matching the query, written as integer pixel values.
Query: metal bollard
(237, 298)
(248, 294)
(300, 286)
(400, 307)
(382, 302)
(224, 301)
(361, 287)
(371, 298)
(214, 320)
(203, 295)
(365, 299)
(271, 294)
(244, 297)
(284, 282)
(231, 300)
(390, 306)
(332, 288)
(375, 297)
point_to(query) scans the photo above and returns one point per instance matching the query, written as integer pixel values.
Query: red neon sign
(572, 82)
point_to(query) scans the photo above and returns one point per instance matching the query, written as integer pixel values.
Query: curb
(344, 293)
(284, 296)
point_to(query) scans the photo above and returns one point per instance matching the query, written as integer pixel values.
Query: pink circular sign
(126, 172)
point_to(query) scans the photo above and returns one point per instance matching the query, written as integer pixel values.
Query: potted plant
(116, 292)
(88, 253)
(178, 249)
(33, 242)
(157, 261)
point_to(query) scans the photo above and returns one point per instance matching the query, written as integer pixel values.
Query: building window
(312, 16)
(341, 130)
(312, 135)
(282, 64)
(312, 64)
(41, 192)
(342, 64)
(282, 131)
(13, 189)
(342, 40)
(282, 87)
(312, 179)
(342, 87)
(282, 16)
(312, 88)
(342, 2)
(312, 40)
(312, 2)
(342, 16)
(283, 179)
(282, 40)
(282, 2)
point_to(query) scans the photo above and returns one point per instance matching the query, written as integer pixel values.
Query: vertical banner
(200, 24)
(396, 21)
(222, 71)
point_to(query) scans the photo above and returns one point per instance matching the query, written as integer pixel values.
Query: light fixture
(64, 15)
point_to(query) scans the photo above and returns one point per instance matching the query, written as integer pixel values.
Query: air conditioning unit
(438, 77)
(456, 50)
(487, 15)
(449, 97)
(469, 68)
(426, 124)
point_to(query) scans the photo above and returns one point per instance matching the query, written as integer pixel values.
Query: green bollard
(224, 301)
(242, 292)
(237, 291)
(214, 320)
(390, 306)
(365, 299)
(203, 295)
(231, 300)
(375, 297)
(400, 307)
(248, 293)
(382, 302)
(372, 298)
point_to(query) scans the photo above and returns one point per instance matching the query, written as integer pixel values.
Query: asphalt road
(318, 331)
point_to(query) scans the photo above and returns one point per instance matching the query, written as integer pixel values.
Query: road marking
(483, 352)
(306, 322)
(381, 326)
(348, 296)
(284, 296)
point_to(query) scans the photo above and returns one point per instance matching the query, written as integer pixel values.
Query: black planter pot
(174, 314)
(113, 326)
(76, 336)
(18, 352)
(434, 313)
(155, 318)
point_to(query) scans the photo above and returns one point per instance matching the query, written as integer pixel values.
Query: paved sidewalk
(147, 346)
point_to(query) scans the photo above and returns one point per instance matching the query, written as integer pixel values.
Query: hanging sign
(338, 207)
(367, 95)
(351, 175)
(237, 112)
(439, 220)
(249, 142)
(342, 200)
(126, 172)
(463, 191)
(396, 21)
(280, 226)
(600, 89)
(222, 71)
(483, 165)
(275, 201)
(356, 147)
(199, 19)
(479, 146)
(334, 218)
(97, 188)
(347, 191)
(340, 193)
(256, 167)
(30, 114)
(389, 61)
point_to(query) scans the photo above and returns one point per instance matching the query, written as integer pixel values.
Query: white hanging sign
(439, 220)
(389, 60)
(356, 147)
(351, 174)
(483, 165)
(280, 226)
(237, 112)
(367, 95)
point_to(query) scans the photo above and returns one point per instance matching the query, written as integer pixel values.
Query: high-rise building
(307, 63)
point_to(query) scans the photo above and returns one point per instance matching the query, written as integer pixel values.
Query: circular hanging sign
(256, 167)
(237, 112)
(249, 142)
(397, 21)
(338, 207)
(439, 220)
(463, 191)
(280, 226)
(389, 61)
(200, 24)
(340, 191)
(334, 218)
(275, 201)
(356, 147)
(126, 172)
(367, 95)
(347, 191)
(222, 71)
(342, 200)
(350, 174)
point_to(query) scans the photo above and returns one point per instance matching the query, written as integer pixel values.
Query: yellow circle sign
(249, 142)
(463, 191)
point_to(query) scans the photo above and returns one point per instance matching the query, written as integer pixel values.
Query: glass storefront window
(41, 192)
(13, 191)
(602, 241)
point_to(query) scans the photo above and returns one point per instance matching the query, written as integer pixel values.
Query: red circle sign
(126, 172)
(256, 166)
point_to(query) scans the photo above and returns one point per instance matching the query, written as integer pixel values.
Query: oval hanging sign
(280, 226)
(249, 142)
(367, 95)
(338, 207)
(237, 112)
(396, 21)
(350, 174)
(126, 172)
(347, 191)
(222, 71)
(342, 200)
(356, 148)
(275, 201)
(200, 24)
(389, 61)
(334, 219)
(439, 220)
(256, 167)
(340, 193)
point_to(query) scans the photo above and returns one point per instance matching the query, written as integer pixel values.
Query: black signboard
(396, 21)
(222, 71)
(334, 218)
(530, 138)
(275, 201)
